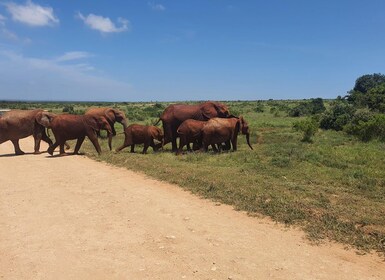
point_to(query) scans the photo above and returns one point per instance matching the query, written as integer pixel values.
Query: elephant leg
(154, 147)
(37, 140)
(67, 146)
(52, 148)
(94, 141)
(226, 146)
(174, 136)
(182, 143)
(45, 138)
(234, 143)
(126, 143)
(121, 147)
(132, 148)
(145, 148)
(37, 135)
(79, 142)
(204, 147)
(61, 149)
(214, 148)
(174, 147)
(196, 145)
(188, 147)
(109, 135)
(16, 145)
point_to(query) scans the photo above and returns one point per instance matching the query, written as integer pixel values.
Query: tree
(367, 82)
(369, 91)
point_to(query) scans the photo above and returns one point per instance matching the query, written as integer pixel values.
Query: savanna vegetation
(317, 164)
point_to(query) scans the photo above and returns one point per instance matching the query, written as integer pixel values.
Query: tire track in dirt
(74, 218)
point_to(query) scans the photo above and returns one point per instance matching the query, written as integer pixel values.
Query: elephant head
(115, 115)
(244, 129)
(211, 109)
(45, 118)
(157, 133)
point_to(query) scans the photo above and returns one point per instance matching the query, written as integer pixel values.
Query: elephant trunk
(124, 122)
(248, 140)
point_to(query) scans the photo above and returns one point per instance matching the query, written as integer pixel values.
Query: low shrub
(337, 116)
(368, 127)
(308, 126)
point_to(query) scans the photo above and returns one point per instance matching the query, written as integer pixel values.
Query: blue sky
(174, 50)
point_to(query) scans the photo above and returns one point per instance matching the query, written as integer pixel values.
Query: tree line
(359, 113)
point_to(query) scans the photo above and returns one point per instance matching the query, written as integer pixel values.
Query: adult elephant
(18, 124)
(220, 130)
(111, 115)
(173, 116)
(69, 127)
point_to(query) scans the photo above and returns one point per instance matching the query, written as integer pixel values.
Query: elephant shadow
(27, 153)
(65, 155)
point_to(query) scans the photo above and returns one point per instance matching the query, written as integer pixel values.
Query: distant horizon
(154, 101)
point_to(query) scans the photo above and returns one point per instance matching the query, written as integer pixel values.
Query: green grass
(333, 188)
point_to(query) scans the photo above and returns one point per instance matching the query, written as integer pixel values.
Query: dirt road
(74, 218)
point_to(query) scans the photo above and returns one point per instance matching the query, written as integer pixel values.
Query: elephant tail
(157, 122)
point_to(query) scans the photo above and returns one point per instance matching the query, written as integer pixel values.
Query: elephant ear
(153, 132)
(103, 124)
(238, 125)
(244, 125)
(221, 110)
(110, 115)
(44, 118)
(208, 110)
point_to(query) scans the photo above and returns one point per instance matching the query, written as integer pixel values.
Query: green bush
(68, 109)
(368, 128)
(312, 107)
(339, 114)
(309, 127)
(260, 108)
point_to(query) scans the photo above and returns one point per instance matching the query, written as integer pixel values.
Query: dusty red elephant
(68, 127)
(173, 116)
(111, 115)
(220, 130)
(141, 134)
(190, 131)
(18, 124)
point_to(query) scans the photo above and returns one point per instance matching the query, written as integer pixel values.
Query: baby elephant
(141, 134)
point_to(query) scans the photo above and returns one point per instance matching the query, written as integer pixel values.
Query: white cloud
(2, 20)
(69, 56)
(104, 24)
(32, 14)
(156, 7)
(8, 34)
(28, 78)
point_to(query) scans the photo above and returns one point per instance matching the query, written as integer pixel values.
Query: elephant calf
(68, 127)
(141, 134)
(190, 131)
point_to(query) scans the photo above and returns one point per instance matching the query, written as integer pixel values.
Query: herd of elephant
(204, 124)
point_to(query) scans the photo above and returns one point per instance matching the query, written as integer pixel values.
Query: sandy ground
(74, 218)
